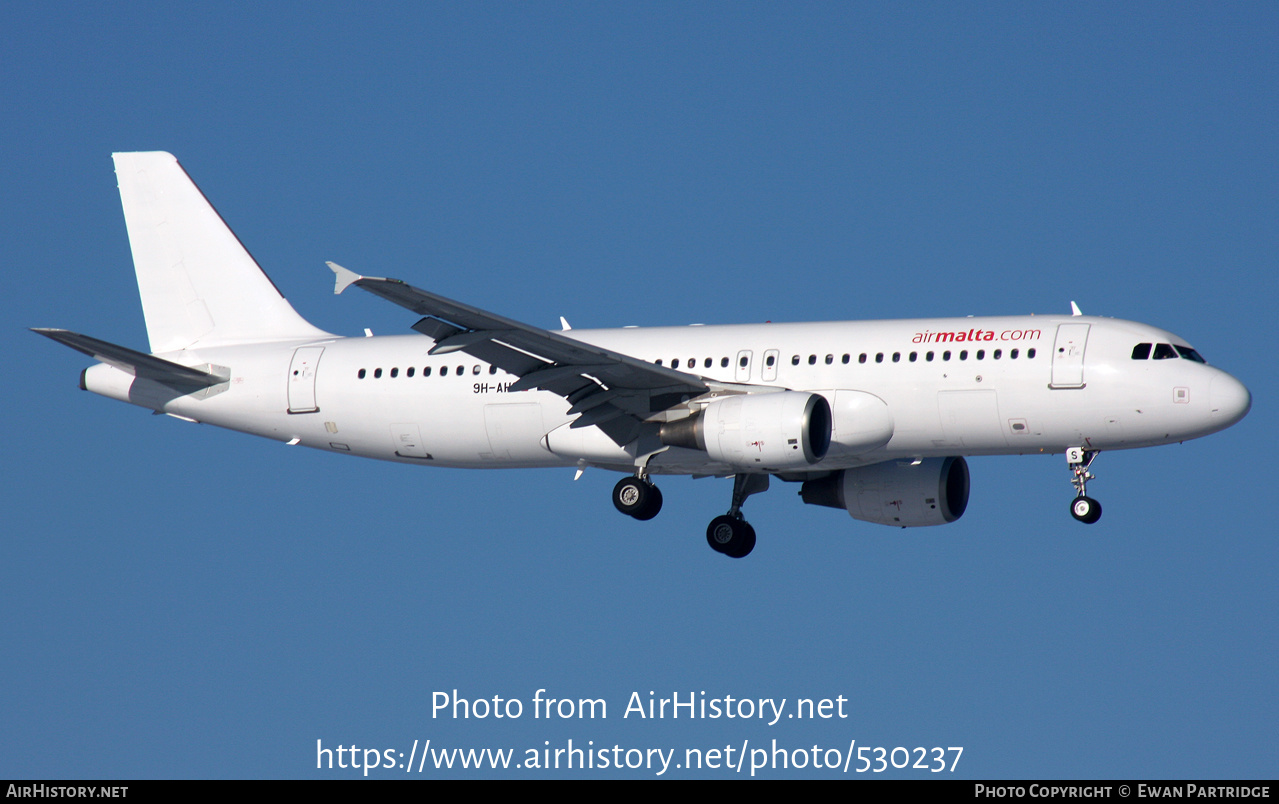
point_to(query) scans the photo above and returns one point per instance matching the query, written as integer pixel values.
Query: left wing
(605, 388)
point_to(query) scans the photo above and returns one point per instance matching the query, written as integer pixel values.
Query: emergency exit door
(302, 379)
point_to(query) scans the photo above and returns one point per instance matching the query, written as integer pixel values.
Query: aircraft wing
(134, 362)
(606, 388)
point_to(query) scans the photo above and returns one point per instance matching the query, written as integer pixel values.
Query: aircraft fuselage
(965, 386)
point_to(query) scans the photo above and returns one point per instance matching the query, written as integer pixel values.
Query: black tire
(1085, 509)
(747, 543)
(652, 506)
(731, 536)
(634, 497)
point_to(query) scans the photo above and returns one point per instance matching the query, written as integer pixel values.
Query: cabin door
(1068, 356)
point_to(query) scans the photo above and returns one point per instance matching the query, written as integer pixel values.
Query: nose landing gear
(1083, 507)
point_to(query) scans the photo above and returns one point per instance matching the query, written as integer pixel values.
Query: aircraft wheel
(747, 545)
(636, 498)
(652, 506)
(1086, 510)
(731, 536)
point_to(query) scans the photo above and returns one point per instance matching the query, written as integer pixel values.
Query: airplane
(872, 417)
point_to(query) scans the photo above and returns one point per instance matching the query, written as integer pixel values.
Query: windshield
(1190, 354)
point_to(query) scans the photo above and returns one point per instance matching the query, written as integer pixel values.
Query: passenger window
(897, 357)
(492, 369)
(377, 373)
(675, 363)
(879, 357)
(913, 356)
(708, 362)
(395, 372)
(658, 361)
(426, 371)
(723, 362)
(929, 357)
(475, 369)
(361, 374)
(1163, 351)
(1012, 355)
(742, 361)
(408, 372)
(768, 361)
(830, 359)
(981, 354)
(998, 353)
(794, 361)
(1141, 351)
(845, 359)
(861, 358)
(963, 354)
(945, 355)
(1030, 354)
(812, 360)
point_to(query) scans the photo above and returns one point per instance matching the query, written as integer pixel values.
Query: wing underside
(613, 391)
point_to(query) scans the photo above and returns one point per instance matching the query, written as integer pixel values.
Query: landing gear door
(302, 379)
(1068, 356)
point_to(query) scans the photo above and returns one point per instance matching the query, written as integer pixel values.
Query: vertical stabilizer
(199, 285)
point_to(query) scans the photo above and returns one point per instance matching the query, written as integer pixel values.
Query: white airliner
(873, 417)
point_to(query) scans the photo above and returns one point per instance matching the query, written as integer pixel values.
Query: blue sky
(180, 601)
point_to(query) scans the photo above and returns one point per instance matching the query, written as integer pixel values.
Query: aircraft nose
(1228, 399)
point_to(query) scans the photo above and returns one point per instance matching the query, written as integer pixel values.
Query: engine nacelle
(931, 492)
(777, 431)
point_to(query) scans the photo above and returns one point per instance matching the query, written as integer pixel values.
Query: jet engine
(774, 432)
(906, 494)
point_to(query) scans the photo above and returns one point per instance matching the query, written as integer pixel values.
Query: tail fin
(199, 285)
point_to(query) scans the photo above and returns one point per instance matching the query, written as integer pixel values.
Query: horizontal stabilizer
(136, 363)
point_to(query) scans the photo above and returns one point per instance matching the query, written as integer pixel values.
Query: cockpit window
(1190, 354)
(1141, 351)
(1164, 351)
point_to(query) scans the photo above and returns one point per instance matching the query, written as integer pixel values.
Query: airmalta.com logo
(976, 335)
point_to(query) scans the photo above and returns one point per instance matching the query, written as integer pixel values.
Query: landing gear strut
(635, 496)
(1083, 507)
(731, 534)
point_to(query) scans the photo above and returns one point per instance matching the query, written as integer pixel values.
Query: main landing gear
(635, 496)
(731, 534)
(1083, 507)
